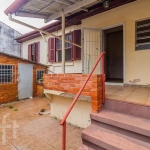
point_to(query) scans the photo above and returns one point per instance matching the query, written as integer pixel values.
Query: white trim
(124, 48)
(111, 83)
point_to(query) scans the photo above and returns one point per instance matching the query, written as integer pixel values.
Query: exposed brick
(71, 83)
(9, 91)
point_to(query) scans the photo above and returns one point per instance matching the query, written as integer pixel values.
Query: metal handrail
(63, 122)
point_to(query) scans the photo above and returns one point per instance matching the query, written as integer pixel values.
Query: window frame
(142, 45)
(34, 48)
(37, 73)
(13, 70)
(66, 48)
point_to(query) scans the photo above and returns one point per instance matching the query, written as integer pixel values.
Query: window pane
(59, 56)
(68, 54)
(39, 74)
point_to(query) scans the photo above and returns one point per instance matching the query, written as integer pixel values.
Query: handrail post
(103, 80)
(64, 136)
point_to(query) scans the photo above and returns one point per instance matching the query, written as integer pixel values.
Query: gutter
(42, 31)
(16, 5)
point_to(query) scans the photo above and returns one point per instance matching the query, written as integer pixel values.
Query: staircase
(118, 126)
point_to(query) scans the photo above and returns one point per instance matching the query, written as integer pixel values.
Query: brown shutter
(29, 52)
(38, 52)
(52, 49)
(77, 40)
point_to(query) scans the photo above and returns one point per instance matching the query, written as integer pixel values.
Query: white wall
(71, 67)
(80, 114)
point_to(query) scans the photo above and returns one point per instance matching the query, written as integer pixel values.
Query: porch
(137, 95)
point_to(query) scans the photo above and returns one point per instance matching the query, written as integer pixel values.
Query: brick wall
(40, 90)
(9, 92)
(71, 83)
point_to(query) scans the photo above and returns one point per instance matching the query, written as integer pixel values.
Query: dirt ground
(21, 128)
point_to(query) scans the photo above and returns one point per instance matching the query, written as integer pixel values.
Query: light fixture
(106, 4)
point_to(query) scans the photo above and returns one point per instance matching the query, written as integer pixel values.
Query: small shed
(18, 77)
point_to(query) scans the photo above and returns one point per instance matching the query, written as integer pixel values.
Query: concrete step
(128, 108)
(127, 122)
(111, 140)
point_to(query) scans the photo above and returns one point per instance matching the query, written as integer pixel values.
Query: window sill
(59, 64)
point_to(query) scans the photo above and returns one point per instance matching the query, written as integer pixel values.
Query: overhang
(48, 9)
(52, 9)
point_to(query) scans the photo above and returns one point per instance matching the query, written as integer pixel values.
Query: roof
(49, 9)
(12, 56)
(71, 19)
(49, 28)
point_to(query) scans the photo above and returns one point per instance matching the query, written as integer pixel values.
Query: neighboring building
(18, 77)
(8, 44)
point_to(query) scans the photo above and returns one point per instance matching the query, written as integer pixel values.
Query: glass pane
(68, 54)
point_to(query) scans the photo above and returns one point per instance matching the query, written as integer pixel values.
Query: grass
(10, 106)
(15, 109)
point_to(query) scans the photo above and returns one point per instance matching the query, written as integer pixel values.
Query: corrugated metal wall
(7, 43)
(91, 45)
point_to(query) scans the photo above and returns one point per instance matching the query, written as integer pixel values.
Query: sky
(22, 29)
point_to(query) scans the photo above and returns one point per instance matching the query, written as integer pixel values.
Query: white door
(91, 49)
(25, 80)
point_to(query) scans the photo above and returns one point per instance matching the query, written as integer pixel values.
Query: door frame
(124, 49)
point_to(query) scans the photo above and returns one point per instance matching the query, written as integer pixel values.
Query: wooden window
(34, 52)
(143, 34)
(68, 49)
(71, 52)
(52, 49)
(6, 73)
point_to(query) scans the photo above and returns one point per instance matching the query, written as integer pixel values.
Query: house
(18, 78)
(7, 40)
(115, 32)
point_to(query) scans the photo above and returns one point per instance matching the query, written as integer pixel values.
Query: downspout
(42, 31)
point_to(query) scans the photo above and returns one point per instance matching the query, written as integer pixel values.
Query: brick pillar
(96, 93)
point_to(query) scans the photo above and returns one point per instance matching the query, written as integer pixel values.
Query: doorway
(113, 46)
(25, 80)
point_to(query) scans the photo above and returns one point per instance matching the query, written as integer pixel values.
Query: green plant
(15, 109)
(11, 106)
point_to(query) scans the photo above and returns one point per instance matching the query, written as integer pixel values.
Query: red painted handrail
(63, 122)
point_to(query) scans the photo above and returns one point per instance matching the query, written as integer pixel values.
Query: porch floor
(136, 95)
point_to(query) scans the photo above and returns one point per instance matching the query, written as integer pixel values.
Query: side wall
(71, 67)
(7, 43)
(136, 62)
(9, 92)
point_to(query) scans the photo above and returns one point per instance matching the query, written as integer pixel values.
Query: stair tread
(118, 119)
(112, 140)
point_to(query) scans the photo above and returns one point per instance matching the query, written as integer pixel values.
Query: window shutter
(76, 50)
(38, 52)
(52, 49)
(29, 52)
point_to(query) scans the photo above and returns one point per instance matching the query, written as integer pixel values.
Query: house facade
(7, 40)
(124, 29)
(110, 44)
